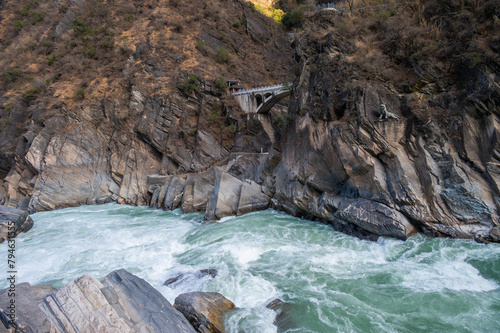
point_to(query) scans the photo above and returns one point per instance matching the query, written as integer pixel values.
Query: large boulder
(120, 303)
(13, 221)
(25, 311)
(231, 196)
(144, 306)
(205, 311)
(224, 198)
(252, 198)
(375, 218)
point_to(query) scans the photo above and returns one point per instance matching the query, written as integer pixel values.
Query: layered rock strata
(121, 303)
(12, 222)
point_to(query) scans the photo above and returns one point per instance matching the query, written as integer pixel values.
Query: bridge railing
(249, 91)
(327, 5)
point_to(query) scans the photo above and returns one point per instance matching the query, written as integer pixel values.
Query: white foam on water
(244, 254)
(251, 320)
(453, 275)
(259, 257)
(226, 218)
(245, 290)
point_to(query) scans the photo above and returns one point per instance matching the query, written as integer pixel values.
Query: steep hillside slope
(97, 95)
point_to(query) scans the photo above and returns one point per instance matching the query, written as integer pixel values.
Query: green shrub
(12, 75)
(89, 51)
(30, 95)
(193, 131)
(80, 94)
(281, 119)
(47, 45)
(475, 58)
(221, 84)
(128, 17)
(201, 45)
(31, 47)
(232, 128)
(191, 84)
(222, 55)
(25, 11)
(237, 24)
(8, 106)
(382, 16)
(80, 26)
(292, 19)
(51, 60)
(107, 42)
(214, 114)
(18, 25)
(275, 13)
(37, 17)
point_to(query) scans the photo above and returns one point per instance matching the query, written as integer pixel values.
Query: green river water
(332, 282)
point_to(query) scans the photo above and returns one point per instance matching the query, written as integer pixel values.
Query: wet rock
(232, 196)
(210, 271)
(185, 277)
(203, 186)
(205, 311)
(13, 221)
(252, 198)
(284, 320)
(375, 218)
(173, 197)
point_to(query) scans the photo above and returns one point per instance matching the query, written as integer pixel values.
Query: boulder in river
(186, 277)
(284, 320)
(205, 311)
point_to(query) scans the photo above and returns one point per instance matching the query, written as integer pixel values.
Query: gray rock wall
(120, 303)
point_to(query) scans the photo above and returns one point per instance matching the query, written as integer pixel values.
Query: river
(333, 282)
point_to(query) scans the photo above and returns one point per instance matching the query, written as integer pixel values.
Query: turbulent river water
(333, 282)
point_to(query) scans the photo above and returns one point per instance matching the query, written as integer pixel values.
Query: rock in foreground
(205, 311)
(120, 303)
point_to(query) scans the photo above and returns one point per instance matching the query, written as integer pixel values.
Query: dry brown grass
(139, 31)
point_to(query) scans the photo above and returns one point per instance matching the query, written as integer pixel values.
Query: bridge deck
(261, 89)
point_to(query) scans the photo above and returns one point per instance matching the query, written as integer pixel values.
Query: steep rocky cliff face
(434, 169)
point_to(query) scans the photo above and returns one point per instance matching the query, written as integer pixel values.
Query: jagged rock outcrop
(204, 310)
(120, 303)
(12, 222)
(389, 177)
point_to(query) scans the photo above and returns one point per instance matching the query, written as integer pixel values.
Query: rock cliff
(436, 172)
